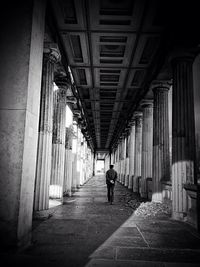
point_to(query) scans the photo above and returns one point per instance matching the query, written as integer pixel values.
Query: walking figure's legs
(112, 194)
(108, 192)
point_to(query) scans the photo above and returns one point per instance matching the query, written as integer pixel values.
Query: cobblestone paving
(88, 231)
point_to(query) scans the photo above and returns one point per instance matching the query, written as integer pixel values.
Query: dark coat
(111, 174)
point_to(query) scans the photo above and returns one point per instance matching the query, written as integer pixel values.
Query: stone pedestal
(147, 145)
(58, 141)
(132, 154)
(43, 169)
(138, 150)
(183, 132)
(161, 162)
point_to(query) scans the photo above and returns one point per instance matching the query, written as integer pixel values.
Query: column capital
(127, 131)
(138, 118)
(62, 81)
(137, 114)
(131, 122)
(146, 103)
(77, 113)
(183, 54)
(52, 52)
(161, 85)
(71, 100)
(63, 84)
(123, 135)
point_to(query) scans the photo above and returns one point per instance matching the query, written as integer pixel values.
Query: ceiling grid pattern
(110, 46)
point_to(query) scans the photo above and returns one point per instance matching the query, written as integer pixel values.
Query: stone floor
(87, 231)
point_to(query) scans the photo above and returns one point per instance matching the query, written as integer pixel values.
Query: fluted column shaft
(161, 162)
(43, 168)
(132, 155)
(183, 133)
(120, 161)
(117, 158)
(58, 143)
(78, 181)
(138, 150)
(124, 159)
(68, 162)
(127, 160)
(74, 156)
(147, 145)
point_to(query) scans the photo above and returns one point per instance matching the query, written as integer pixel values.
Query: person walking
(111, 177)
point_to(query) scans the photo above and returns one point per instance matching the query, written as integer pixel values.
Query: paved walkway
(87, 231)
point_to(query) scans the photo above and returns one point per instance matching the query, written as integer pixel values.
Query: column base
(143, 194)
(180, 216)
(136, 184)
(74, 189)
(126, 180)
(130, 183)
(167, 190)
(68, 194)
(55, 192)
(157, 197)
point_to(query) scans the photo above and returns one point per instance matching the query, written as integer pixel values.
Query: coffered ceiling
(114, 49)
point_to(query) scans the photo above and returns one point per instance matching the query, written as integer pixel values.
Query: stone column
(127, 159)
(147, 144)
(93, 156)
(183, 132)
(161, 162)
(120, 160)
(68, 162)
(58, 140)
(43, 169)
(132, 154)
(123, 158)
(78, 180)
(74, 156)
(84, 146)
(138, 150)
(117, 158)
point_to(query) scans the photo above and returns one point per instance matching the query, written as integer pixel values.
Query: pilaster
(21, 52)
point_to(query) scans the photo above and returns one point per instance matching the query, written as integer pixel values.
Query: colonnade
(64, 159)
(42, 157)
(144, 166)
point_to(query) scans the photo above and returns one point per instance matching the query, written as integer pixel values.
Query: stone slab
(162, 255)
